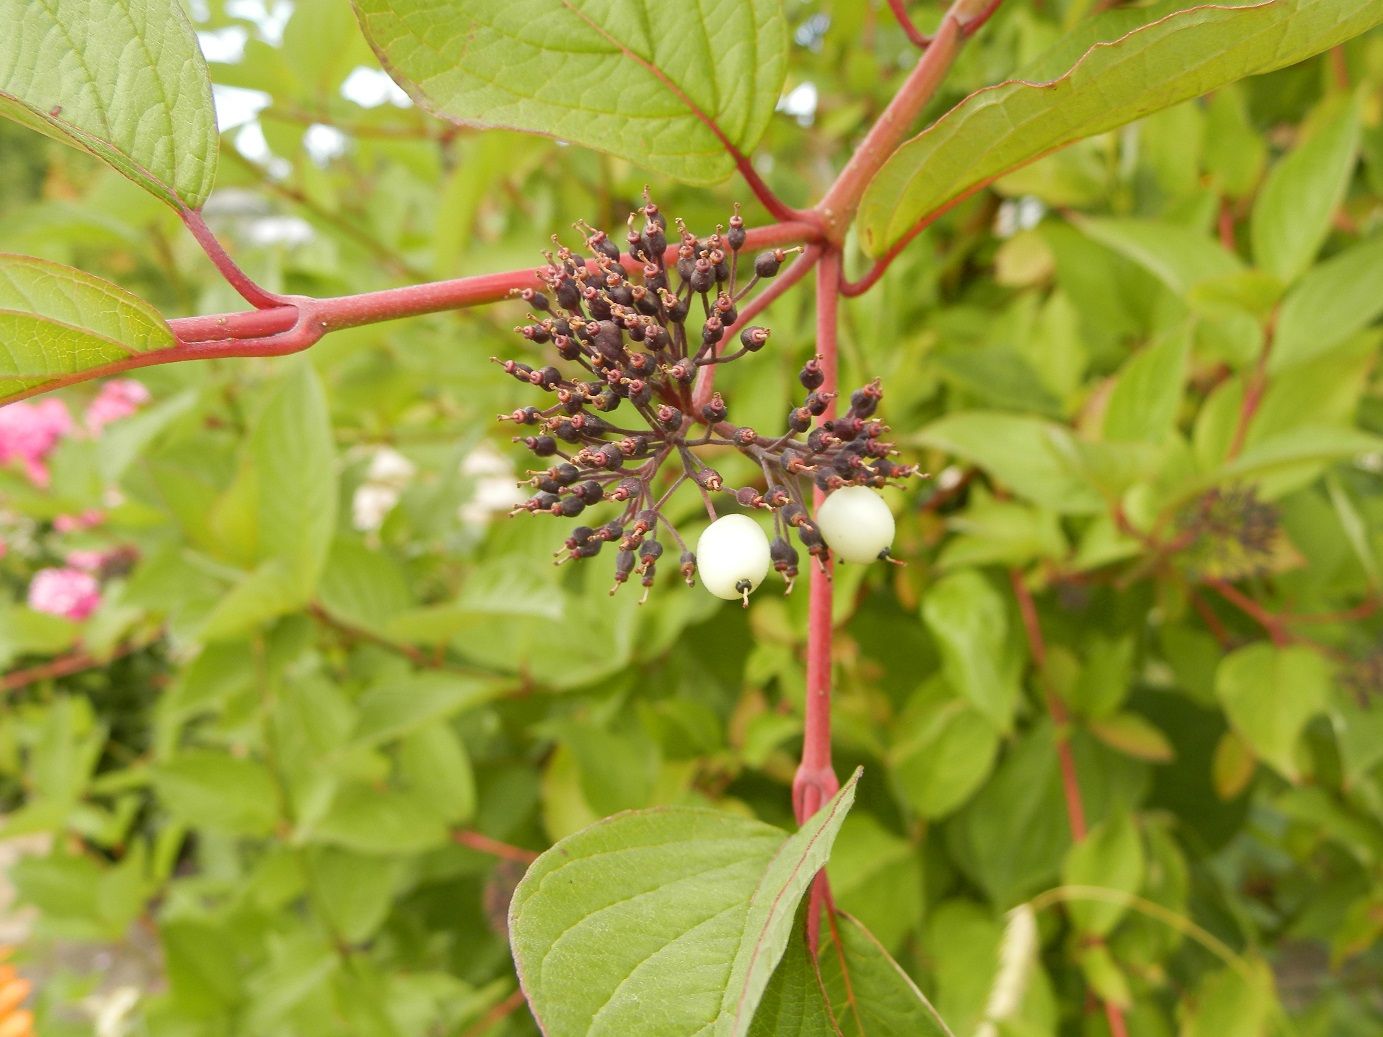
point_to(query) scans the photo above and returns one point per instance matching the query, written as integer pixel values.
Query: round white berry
(856, 524)
(732, 557)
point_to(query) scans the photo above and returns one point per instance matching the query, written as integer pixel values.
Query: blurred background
(230, 807)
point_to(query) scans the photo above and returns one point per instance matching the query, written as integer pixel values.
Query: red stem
(65, 666)
(705, 384)
(916, 36)
(1274, 626)
(235, 277)
(837, 208)
(482, 843)
(815, 781)
(1070, 782)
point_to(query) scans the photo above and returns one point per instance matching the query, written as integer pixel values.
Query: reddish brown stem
(482, 843)
(915, 36)
(795, 272)
(495, 1015)
(1070, 783)
(838, 206)
(66, 665)
(815, 781)
(235, 277)
(1274, 626)
(1253, 395)
(294, 323)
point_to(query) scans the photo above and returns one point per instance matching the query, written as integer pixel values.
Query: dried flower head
(636, 333)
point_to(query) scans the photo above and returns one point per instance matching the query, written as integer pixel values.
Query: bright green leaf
(665, 86)
(871, 995)
(944, 752)
(1269, 693)
(370, 820)
(1177, 256)
(1328, 305)
(1028, 455)
(1231, 1004)
(1178, 57)
(121, 79)
(399, 706)
(1143, 406)
(56, 321)
(969, 620)
(221, 792)
(663, 921)
(1292, 215)
(1110, 856)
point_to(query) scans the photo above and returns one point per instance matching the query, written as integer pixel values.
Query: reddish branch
(1070, 784)
(915, 36)
(66, 666)
(482, 843)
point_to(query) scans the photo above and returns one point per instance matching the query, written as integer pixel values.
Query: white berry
(856, 524)
(732, 557)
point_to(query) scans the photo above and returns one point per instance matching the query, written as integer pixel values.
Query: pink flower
(88, 561)
(30, 431)
(117, 399)
(72, 523)
(64, 592)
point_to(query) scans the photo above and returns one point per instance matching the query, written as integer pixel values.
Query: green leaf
(218, 791)
(946, 749)
(1292, 215)
(667, 920)
(355, 889)
(1183, 55)
(969, 620)
(1327, 306)
(665, 86)
(1028, 455)
(1231, 1004)
(371, 820)
(403, 705)
(870, 993)
(1143, 406)
(1177, 256)
(56, 321)
(1110, 856)
(121, 79)
(1269, 693)
(1133, 736)
(794, 1002)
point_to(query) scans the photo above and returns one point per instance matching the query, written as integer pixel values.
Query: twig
(67, 665)
(482, 843)
(1070, 783)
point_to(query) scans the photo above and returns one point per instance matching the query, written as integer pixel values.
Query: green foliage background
(260, 791)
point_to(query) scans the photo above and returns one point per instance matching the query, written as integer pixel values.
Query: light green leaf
(370, 820)
(218, 791)
(1292, 215)
(121, 79)
(355, 889)
(969, 620)
(1143, 406)
(1183, 55)
(794, 1002)
(1134, 736)
(401, 706)
(56, 321)
(1328, 305)
(1177, 256)
(946, 749)
(1269, 693)
(663, 85)
(1232, 1004)
(871, 996)
(663, 921)
(1110, 856)
(1027, 455)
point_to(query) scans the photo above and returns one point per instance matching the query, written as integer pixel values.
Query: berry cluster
(639, 331)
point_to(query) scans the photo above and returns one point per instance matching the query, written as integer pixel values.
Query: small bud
(812, 376)
(753, 338)
(715, 410)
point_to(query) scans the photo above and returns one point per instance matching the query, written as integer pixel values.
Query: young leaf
(1111, 856)
(969, 620)
(1269, 694)
(1292, 215)
(121, 79)
(1184, 55)
(668, 87)
(1143, 406)
(1328, 305)
(217, 791)
(669, 920)
(56, 321)
(1026, 454)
